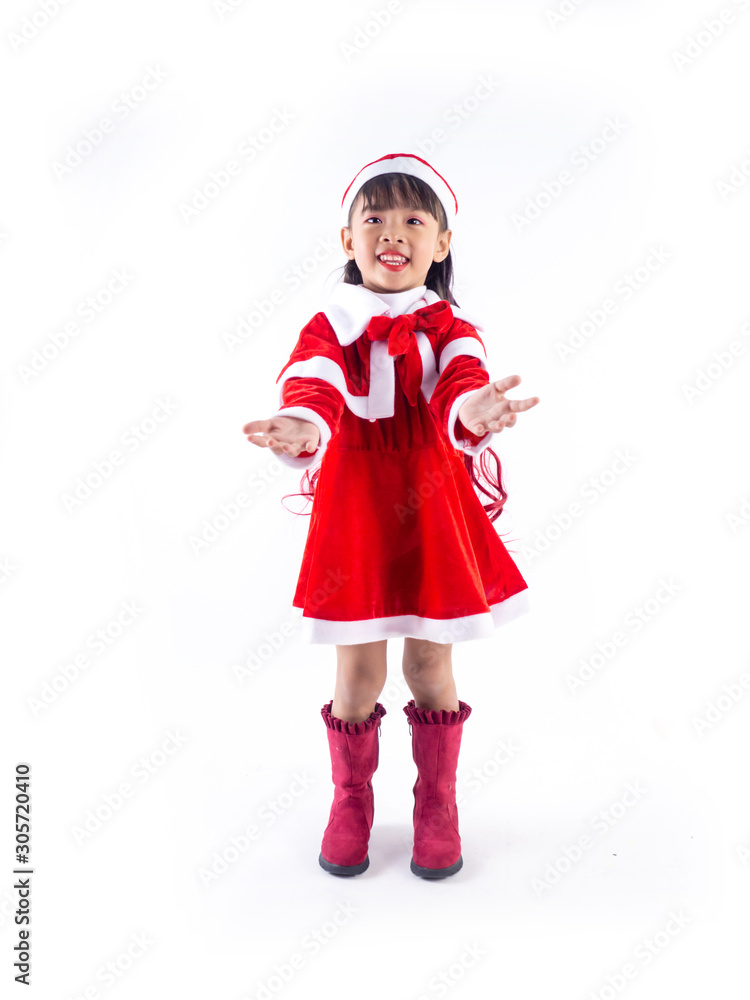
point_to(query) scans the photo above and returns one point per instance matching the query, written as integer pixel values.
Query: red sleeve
(462, 374)
(306, 396)
(314, 394)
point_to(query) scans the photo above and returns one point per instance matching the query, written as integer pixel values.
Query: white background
(516, 93)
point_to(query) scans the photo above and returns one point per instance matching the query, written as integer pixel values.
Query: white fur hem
(445, 630)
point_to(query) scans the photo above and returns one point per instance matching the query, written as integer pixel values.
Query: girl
(387, 393)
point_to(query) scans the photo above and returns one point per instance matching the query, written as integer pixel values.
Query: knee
(427, 661)
(361, 678)
(359, 691)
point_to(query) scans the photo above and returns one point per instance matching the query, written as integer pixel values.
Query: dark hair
(496, 492)
(392, 191)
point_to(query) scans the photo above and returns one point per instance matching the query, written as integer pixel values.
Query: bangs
(400, 191)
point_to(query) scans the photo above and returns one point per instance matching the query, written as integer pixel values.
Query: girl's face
(393, 247)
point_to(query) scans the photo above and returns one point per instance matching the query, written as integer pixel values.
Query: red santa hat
(402, 163)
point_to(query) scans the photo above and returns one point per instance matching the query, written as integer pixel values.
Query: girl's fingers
(260, 439)
(515, 405)
(518, 405)
(257, 427)
(524, 404)
(496, 424)
(258, 432)
(278, 446)
(509, 382)
(506, 420)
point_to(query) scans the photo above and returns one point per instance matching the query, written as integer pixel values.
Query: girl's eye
(375, 218)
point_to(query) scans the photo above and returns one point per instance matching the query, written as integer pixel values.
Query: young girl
(387, 393)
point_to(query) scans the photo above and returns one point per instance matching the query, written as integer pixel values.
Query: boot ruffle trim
(437, 717)
(352, 728)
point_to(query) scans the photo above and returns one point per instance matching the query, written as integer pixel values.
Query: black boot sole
(344, 869)
(437, 872)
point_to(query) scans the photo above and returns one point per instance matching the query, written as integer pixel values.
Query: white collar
(400, 303)
(351, 307)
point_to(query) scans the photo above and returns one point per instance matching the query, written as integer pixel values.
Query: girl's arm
(459, 380)
(316, 401)
(306, 397)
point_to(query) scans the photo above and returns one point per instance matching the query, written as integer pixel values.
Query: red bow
(402, 344)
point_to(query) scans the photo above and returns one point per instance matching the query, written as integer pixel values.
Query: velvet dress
(398, 542)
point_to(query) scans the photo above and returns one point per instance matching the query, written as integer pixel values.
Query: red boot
(354, 758)
(436, 741)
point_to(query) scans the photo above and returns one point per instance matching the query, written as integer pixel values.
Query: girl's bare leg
(428, 671)
(360, 677)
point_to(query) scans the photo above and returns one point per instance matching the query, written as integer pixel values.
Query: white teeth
(395, 260)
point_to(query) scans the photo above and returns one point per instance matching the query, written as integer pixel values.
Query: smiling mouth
(393, 261)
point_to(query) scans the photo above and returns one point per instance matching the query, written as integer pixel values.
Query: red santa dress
(398, 543)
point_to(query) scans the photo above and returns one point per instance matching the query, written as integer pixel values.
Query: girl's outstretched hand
(489, 410)
(288, 435)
